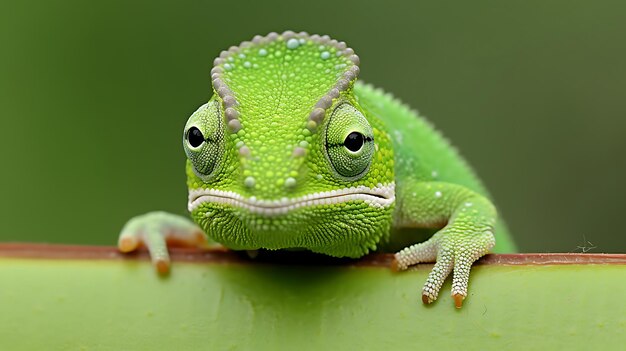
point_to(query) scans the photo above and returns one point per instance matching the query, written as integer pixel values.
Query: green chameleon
(291, 152)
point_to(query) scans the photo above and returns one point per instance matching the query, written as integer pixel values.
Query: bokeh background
(94, 95)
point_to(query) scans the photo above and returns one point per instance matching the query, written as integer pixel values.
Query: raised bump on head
(342, 84)
(354, 59)
(299, 151)
(249, 182)
(231, 113)
(229, 101)
(244, 151)
(325, 102)
(224, 91)
(333, 93)
(234, 125)
(288, 34)
(317, 114)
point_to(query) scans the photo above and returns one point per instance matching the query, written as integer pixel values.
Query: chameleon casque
(291, 152)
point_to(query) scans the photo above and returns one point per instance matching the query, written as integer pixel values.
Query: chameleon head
(282, 156)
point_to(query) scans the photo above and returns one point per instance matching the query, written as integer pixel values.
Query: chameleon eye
(203, 139)
(195, 137)
(349, 142)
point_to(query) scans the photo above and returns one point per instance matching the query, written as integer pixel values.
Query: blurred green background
(94, 96)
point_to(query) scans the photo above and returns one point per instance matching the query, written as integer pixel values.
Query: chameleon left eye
(349, 142)
(203, 139)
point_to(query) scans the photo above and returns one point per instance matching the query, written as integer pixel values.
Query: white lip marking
(379, 196)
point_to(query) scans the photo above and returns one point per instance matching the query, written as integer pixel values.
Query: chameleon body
(291, 152)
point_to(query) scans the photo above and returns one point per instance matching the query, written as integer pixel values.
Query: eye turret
(349, 142)
(203, 139)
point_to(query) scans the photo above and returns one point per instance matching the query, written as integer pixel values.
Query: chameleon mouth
(380, 196)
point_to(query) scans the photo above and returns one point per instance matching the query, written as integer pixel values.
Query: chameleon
(292, 152)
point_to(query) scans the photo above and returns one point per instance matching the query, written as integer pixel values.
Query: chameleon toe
(162, 266)
(157, 230)
(458, 300)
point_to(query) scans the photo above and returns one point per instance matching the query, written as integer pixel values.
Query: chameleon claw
(458, 300)
(127, 244)
(395, 265)
(162, 266)
(425, 299)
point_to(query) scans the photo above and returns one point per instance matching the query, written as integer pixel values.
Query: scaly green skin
(292, 153)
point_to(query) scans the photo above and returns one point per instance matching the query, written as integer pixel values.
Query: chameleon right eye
(195, 137)
(203, 139)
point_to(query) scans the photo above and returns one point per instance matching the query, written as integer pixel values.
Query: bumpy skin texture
(292, 153)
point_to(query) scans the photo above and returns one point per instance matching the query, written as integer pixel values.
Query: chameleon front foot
(157, 231)
(452, 253)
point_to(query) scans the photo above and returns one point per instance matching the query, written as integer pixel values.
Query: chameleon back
(421, 153)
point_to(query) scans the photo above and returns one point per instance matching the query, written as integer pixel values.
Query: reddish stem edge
(89, 252)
